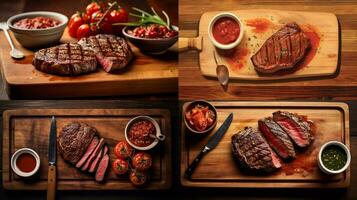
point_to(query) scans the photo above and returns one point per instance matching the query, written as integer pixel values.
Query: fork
(15, 53)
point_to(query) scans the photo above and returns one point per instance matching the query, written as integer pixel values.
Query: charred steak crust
(68, 59)
(283, 50)
(253, 152)
(112, 52)
(298, 128)
(277, 138)
(74, 140)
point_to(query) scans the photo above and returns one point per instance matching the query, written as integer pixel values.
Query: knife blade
(52, 151)
(211, 144)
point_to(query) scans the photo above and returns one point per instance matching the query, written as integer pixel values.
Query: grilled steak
(253, 152)
(102, 168)
(95, 162)
(93, 155)
(277, 138)
(89, 151)
(282, 51)
(65, 60)
(73, 141)
(112, 52)
(295, 126)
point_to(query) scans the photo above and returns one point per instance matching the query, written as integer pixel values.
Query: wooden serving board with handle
(30, 128)
(144, 75)
(259, 25)
(219, 169)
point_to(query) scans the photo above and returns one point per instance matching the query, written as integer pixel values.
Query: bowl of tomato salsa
(143, 133)
(225, 30)
(200, 117)
(25, 162)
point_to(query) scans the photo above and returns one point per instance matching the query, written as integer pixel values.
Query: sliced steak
(277, 138)
(102, 168)
(94, 164)
(73, 141)
(253, 152)
(282, 51)
(295, 126)
(66, 60)
(89, 151)
(94, 154)
(112, 52)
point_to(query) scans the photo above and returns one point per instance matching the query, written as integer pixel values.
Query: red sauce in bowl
(139, 133)
(26, 162)
(226, 30)
(37, 23)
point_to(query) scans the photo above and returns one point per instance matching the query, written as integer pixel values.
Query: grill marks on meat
(65, 59)
(277, 138)
(112, 52)
(74, 140)
(253, 152)
(295, 126)
(282, 51)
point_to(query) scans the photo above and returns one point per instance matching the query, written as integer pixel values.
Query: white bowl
(325, 169)
(157, 128)
(32, 38)
(226, 46)
(17, 170)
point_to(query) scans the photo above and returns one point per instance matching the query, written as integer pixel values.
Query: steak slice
(277, 138)
(65, 60)
(112, 52)
(102, 168)
(89, 151)
(282, 51)
(295, 126)
(253, 152)
(93, 155)
(94, 164)
(73, 141)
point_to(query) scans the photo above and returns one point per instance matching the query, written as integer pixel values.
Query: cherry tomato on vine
(74, 24)
(92, 8)
(83, 31)
(120, 166)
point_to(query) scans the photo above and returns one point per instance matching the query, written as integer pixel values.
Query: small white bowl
(17, 170)
(226, 46)
(32, 38)
(332, 143)
(157, 128)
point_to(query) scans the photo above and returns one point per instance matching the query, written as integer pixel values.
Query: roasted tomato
(137, 177)
(83, 31)
(75, 22)
(123, 150)
(120, 166)
(92, 8)
(142, 161)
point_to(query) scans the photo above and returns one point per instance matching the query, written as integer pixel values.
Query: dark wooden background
(69, 7)
(193, 85)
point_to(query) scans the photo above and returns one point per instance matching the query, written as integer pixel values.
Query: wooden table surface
(193, 85)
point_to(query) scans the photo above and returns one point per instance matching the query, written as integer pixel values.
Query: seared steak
(65, 60)
(102, 168)
(89, 151)
(74, 140)
(295, 126)
(277, 138)
(112, 52)
(282, 51)
(93, 155)
(253, 152)
(95, 162)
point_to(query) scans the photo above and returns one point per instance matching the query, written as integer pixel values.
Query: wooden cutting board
(145, 75)
(259, 25)
(30, 128)
(219, 169)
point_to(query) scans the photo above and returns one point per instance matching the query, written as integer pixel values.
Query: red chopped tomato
(120, 166)
(123, 150)
(200, 117)
(142, 161)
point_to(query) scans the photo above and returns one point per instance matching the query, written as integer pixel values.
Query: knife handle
(194, 164)
(51, 185)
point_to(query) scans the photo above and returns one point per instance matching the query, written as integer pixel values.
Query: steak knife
(212, 143)
(51, 182)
